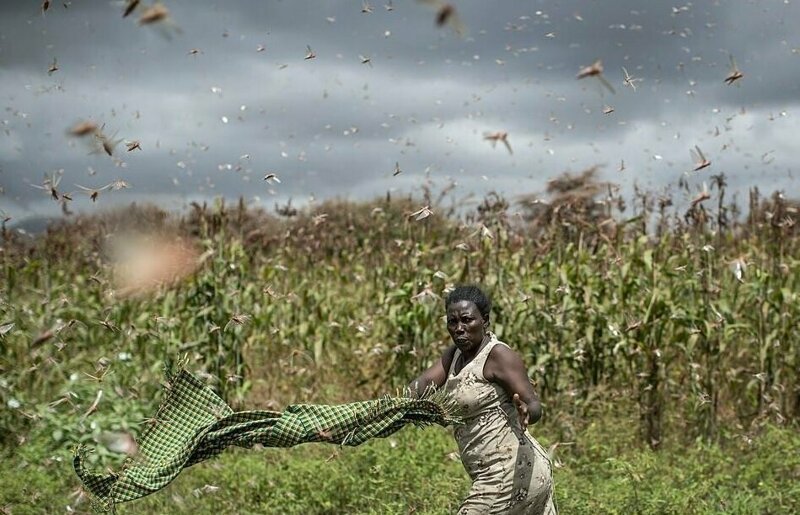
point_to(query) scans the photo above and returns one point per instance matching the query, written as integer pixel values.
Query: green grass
(414, 472)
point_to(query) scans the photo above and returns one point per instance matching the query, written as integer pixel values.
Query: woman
(510, 470)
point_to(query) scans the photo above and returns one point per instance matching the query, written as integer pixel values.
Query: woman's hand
(522, 412)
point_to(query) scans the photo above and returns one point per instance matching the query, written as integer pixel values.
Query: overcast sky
(220, 94)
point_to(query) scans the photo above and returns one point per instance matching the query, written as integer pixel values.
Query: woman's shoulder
(500, 356)
(497, 343)
(501, 349)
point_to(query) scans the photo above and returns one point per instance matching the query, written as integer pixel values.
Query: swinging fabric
(194, 424)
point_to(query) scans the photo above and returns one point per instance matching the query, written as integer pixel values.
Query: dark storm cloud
(216, 122)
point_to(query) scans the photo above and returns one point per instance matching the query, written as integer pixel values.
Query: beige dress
(510, 470)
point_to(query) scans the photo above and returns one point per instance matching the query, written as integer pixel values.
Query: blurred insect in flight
(118, 184)
(446, 14)
(153, 14)
(700, 160)
(92, 192)
(50, 184)
(120, 442)
(628, 80)
(107, 144)
(157, 15)
(701, 197)
(310, 53)
(494, 137)
(739, 267)
(735, 74)
(595, 70)
(421, 213)
(132, 4)
(84, 128)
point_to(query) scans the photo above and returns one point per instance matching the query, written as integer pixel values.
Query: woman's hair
(473, 294)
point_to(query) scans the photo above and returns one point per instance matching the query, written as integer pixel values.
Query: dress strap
(480, 360)
(456, 354)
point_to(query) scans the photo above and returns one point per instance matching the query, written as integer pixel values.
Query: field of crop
(664, 347)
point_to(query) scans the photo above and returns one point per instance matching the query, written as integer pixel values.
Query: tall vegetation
(688, 315)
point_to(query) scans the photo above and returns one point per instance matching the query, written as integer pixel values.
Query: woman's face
(466, 325)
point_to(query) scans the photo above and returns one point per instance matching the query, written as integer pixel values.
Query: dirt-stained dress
(510, 470)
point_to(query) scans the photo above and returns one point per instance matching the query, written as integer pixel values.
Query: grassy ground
(416, 471)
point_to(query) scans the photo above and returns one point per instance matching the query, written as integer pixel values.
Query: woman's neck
(469, 356)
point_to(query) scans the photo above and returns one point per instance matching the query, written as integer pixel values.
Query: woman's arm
(505, 367)
(435, 375)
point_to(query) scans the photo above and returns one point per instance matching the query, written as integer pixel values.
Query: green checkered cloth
(193, 424)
